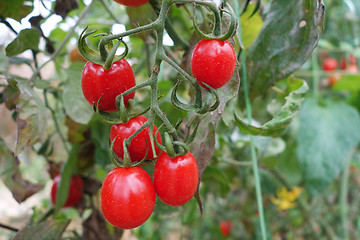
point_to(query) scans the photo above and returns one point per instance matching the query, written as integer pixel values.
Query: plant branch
(252, 144)
(66, 39)
(343, 203)
(57, 126)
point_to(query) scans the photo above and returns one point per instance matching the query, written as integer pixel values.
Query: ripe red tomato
(352, 68)
(132, 3)
(213, 62)
(96, 81)
(347, 62)
(330, 64)
(225, 227)
(176, 179)
(127, 197)
(333, 79)
(75, 190)
(139, 144)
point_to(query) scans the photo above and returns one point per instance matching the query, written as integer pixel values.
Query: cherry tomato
(330, 64)
(132, 3)
(96, 81)
(139, 144)
(226, 227)
(334, 78)
(347, 62)
(75, 190)
(127, 197)
(352, 68)
(213, 62)
(176, 179)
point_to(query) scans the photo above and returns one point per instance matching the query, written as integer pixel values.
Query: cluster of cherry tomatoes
(331, 65)
(128, 193)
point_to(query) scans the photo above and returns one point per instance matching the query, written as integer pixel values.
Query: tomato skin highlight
(96, 81)
(330, 64)
(127, 197)
(226, 227)
(213, 62)
(132, 3)
(139, 144)
(176, 180)
(76, 190)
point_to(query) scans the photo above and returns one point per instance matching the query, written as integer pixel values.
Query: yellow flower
(285, 199)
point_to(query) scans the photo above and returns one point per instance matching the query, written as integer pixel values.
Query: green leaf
(100, 135)
(278, 124)
(10, 175)
(31, 119)
(348, 83)
(283, 46)
(27, 39)
(74, 101)
(16, 9)
(67, 172)
(215, 174)
(48, 230)
(327, 133)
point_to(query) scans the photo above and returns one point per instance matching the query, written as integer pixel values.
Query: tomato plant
(176, 179)
(97, 82)
(127, 197)
(75, 190)
(140, 144)
(132, 3)
(330, 64)
(226, 227)
(213, 62)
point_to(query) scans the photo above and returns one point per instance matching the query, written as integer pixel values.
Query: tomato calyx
(176, 148)
(216, 32)
(126, 161)
(106, 55)
(198, 106)
(122, 116)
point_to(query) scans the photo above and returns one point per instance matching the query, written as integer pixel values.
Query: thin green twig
(252, 145)
(62, 44)
(343, 203)
(57, 126)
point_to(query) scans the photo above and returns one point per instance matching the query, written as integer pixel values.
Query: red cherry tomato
(347, 62)
(75, 190)
(334, 78)
(213, 62)
(127, 197)
(132, 3)
(96, 81)
(225, 227)
(176, 180)
(352, 68)
(330, 64)
(139, 144)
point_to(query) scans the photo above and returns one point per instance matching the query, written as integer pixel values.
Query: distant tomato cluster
(332, 66)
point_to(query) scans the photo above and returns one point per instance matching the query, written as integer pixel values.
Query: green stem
(66, 39)
(316, 76)
(343, 197)
(178, 41)
(107, 8)
(57, 126)
(252, 145)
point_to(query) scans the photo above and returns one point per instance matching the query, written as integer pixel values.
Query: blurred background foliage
(309, 157)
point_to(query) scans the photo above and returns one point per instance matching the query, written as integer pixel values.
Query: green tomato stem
(252, 144)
